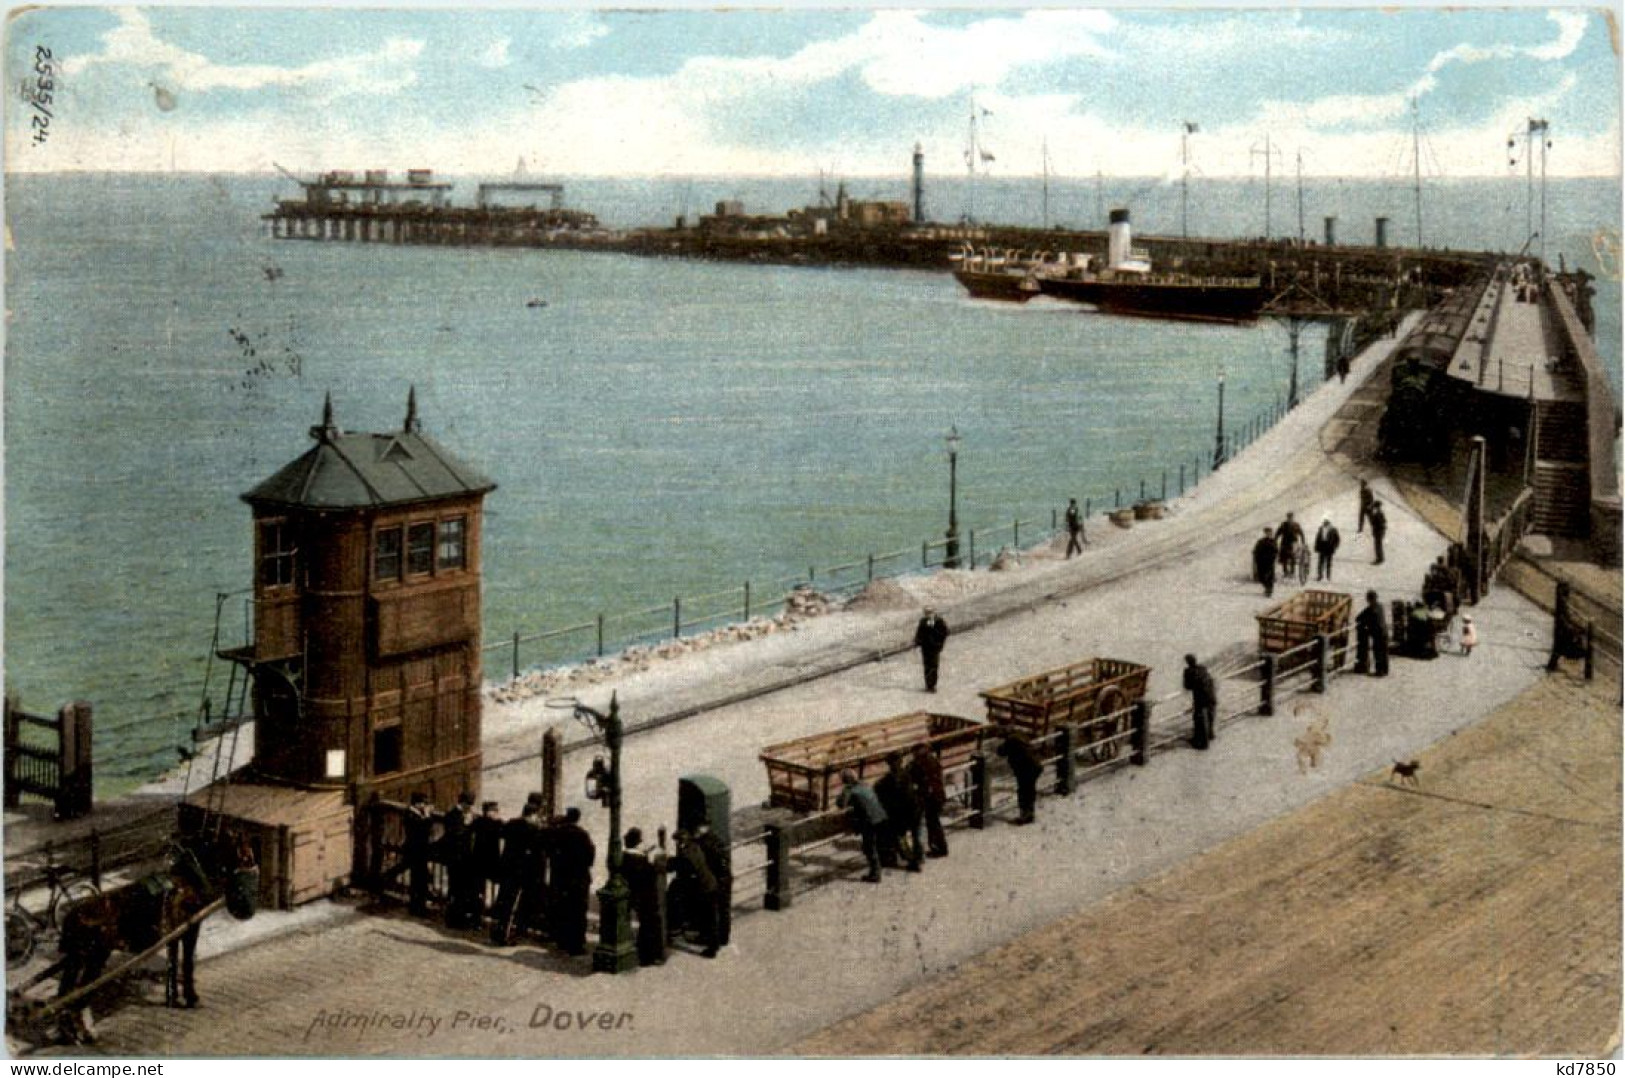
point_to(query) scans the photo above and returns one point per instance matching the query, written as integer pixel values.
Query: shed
(303, 839)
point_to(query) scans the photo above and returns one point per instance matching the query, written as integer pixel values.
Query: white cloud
(496, 54)
(133, 43)
(579, 29)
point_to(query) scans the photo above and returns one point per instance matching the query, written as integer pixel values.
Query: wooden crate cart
(1299, 620)
(1087, 695)
(805, 775)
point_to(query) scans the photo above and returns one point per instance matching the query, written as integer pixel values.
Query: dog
(1312, 742)
(1405, 773)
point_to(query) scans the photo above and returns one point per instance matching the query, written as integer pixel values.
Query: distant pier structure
(374, 208)
(919, 184)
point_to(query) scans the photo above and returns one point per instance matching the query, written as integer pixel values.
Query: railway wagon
(1090, 695)
(805, 775)
(1299, 620)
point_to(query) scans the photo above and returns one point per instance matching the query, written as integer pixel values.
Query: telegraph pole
(1268, 153)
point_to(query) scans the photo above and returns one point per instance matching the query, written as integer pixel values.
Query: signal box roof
(364, 471)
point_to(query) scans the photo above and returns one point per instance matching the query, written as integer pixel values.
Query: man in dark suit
(487, 852)
(930, 636)
(1371, 633)
(1204, 700)
(514, 890)
(1074, 528)
(419, 825)
(720, 862)
(897, 796)
(643, 870)
(698, 887)
(1326, 543)
(926, 771)
(1379, 529)
(457, 854)
(1026, 767)
(1264, 552)
(570, 875)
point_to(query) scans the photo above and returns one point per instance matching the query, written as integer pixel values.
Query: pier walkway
(354, 984)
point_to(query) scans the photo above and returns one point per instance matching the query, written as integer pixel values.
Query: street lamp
(615, 952)
(1218, 435)
(950, 552)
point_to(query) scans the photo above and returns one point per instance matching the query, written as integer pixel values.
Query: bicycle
(1303, 564)
(25, 928)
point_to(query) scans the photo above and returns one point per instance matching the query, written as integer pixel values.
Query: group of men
(1283, 546)
(530, 872)
(899, 819)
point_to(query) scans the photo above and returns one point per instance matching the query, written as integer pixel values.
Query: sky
(793, 91)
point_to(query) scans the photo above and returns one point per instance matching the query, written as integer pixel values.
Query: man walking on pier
(1204, 699)
(929, 636)
(1366, 498)
(1074, 528)
(1264, 552)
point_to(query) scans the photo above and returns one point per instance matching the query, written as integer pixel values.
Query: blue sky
(580, 92)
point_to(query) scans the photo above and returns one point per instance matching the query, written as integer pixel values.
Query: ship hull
(1005, 287)
(1192, 301)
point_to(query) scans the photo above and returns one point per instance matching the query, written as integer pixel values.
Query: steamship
(1127, 285)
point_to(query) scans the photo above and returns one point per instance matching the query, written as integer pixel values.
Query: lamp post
(950, 551)
(615, 952)
(1218, 435)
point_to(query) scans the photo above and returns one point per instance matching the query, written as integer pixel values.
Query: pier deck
(1120, 597)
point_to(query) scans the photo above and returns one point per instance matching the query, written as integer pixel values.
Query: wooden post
(1015, 534)
(1590, 668)
(600, 634)
(13, 795)
(95, 858)
(973, 548)
(778, 895)
(552, 773)
(1066, 765)
(1087, 506)
(1141, 718)
(1165, 484)
(747, 597)
(1322, 649)
(925, 554)
(981, 796)
(1266, 688)
(1117, 498)
(74, 764)
(677, 617)
(516, 655)
(1182, 477)
(871, 568)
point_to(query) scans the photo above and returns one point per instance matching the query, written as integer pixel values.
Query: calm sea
(659, 428)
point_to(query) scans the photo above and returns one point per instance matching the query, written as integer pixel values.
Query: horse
(136, 916)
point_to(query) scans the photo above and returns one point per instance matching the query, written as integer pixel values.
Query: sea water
(658, 428)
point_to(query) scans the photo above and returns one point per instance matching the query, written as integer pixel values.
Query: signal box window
(386, 555)
(452, 548)
(420, 549)
(276, 554)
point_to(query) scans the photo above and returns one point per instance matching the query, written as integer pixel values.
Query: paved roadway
(333, 984)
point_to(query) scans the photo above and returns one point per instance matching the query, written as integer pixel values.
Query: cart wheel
(1109, 700)
(20, 938)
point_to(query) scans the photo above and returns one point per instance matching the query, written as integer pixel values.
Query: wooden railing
(49, 758)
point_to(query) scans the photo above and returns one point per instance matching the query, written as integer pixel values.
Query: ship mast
(1416, 155)
(970, 167)
(1185, 179)
(1300, 199)
(1046, 182)
(1268, 153)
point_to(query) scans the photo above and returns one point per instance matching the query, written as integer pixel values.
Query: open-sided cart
(805, 775)
(1091, 695)
(1298, 620)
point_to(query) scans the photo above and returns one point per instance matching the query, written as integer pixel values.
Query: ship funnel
(1118, 242)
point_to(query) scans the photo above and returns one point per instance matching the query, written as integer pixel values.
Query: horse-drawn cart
(805, 775)
(1300, 619)
(1091, 695)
